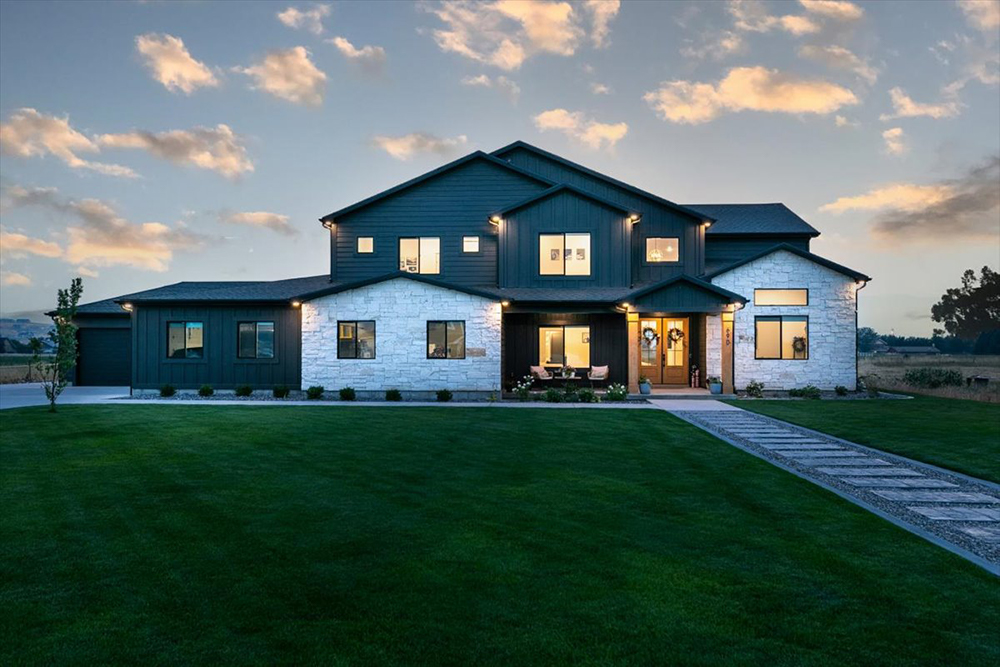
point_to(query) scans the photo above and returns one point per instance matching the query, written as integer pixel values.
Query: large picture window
(185, 340)
(662, 249)
(782, 337)
(564, 254)
(420, 255)
(781, 297)
(446, 339)
(356, 339)
(564, 346)
(255, 340)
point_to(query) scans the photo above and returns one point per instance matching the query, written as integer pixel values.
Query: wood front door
(663, 349)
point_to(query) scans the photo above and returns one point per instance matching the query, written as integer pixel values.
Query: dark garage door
(105, 358)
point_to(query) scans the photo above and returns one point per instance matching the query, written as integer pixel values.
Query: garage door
(105, 358)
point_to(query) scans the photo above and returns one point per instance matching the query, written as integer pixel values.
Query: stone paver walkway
(957, 512)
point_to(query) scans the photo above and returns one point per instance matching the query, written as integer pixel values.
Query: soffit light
(495, 219)
(127, 307)
(296, 304)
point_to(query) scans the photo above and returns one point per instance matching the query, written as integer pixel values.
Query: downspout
(332, 227)
(857, 350)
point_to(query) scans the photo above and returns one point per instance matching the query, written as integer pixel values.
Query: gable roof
(773, 218)
(556, 189)
(334, 288)
(822, 261)
(476, 155)
(102, 307)
(690, 280)
(230, 291)
(607, 179)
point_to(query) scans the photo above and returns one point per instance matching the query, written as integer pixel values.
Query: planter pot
(715, 387)
(645, 388)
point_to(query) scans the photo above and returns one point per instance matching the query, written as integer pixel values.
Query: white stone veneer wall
(713, 347)
(832, 324)
(401, 309)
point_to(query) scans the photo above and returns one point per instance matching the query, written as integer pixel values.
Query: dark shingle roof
(805, 254)
(754, 219)
(103, 307)
(256, 290)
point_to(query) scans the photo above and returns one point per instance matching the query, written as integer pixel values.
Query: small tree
(54, 374)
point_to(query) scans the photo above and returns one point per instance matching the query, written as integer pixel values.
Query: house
(465, 277)
(912, 349)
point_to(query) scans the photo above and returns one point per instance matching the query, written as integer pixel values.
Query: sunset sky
(145, 143)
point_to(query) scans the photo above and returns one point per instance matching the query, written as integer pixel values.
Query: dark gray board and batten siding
(721, 251)
(219, 366)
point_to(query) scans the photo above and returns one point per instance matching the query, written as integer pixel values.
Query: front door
(663, 349)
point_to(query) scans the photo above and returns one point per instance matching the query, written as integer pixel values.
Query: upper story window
(356, 339)
(781, 297)
(781, 337)
(564, 254)
(366, 245)
(662, 249)
(470, 244)
(185, 340)
(255, 340)
(446, 339)
(420, 255)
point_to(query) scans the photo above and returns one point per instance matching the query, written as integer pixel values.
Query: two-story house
(467, 276)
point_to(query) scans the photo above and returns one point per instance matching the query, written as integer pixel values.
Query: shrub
(552, 395)
(206, 390)
(589, 396)
(841, 390)
(616, 392)
(315, 392)
(932, 378)
(167, 390)
(443, 395)
(808, 391)
(570, 394)
(643, 379)
(523, 388)
(348, 394)
(755, 389)
(244, 390)
(393, 395)
(280, 391)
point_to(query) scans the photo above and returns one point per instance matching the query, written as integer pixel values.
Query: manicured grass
(954, 434)
(352, 535)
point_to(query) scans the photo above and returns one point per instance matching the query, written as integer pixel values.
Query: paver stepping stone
(986, 533)
(958, 513)
(819, 453)
(874, 472)
(779, 447)
(861, 462)
(900, 482)
(938, 496)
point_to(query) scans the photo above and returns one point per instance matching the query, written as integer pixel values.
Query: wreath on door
(799, 344)
(675, 335)
(649, 334)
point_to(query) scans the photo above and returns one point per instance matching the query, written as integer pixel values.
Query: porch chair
(597, 374)
(539, 373)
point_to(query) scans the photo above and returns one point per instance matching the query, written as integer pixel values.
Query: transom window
(446, 339)
(356, 339)
(255, 340)
(564, 346)
(366, 245)
(185, 340)
(784, 337)
(470, 244)
(564, 254)
(420, 255)
(662, 249)
(781, 297)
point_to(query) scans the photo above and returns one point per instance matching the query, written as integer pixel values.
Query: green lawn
(336, 535)
(951, 433)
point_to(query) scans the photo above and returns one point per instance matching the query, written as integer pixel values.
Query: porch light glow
(296, 304)
(708, 223)
(127, 307)
(625, 306)
(495, 219)
(634, 217)
(505, 303)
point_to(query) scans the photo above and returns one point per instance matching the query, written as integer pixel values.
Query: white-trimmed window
(470, 244)
(366, 245)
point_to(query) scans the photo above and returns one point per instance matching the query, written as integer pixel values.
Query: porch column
(727, 353)
(633, 352)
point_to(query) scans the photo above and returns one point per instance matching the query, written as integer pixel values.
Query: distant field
(14, 367)
(886, 372)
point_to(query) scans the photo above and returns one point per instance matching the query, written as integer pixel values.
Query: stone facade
(832, 328)
(401, 308)
(713, 347)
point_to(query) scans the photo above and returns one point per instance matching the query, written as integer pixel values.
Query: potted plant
(568, 371)
(645, 386)
(715, 384)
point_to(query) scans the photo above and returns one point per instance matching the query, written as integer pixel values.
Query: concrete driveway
(24, 395)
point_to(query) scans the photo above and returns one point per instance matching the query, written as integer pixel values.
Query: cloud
(13, 244)
(87, 273)
(406, 146)
(746, 88)
(273, 221)
(981, 14)
(958, 209)
(979, 61)
(12, 279)
(842, 121)
(508, 88)
(576, 125)
(290, 75)
(101, 237)
(838, 10)
(599, 89)
(895, 141)
(217, 149)
(369, 58)
(170, 63)
(904, 107)
(751, 16)
(310, 19)
(719, 46)
(602, 12)
(837, 57)
(28, 133)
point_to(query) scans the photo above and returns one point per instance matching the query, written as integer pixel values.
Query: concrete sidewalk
(31, 393)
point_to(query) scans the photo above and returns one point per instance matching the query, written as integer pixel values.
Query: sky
(145, 143)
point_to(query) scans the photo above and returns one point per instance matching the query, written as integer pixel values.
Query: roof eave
(822, 261)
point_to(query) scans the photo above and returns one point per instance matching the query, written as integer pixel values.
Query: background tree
(866, 339)
(971, 309)
(54, 374)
